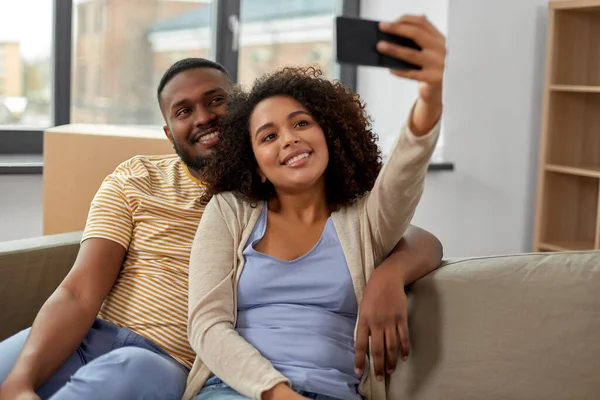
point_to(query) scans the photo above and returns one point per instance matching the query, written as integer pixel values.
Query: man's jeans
(111, 363)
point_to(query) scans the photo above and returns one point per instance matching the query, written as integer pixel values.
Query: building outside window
(25, 63)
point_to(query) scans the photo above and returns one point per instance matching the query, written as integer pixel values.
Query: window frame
(27, 141)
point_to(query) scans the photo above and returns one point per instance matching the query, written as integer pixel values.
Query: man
(116, 326)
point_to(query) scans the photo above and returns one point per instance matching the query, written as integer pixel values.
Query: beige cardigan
(368, 232)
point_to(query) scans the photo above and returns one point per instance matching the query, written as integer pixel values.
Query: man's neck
(194, 174)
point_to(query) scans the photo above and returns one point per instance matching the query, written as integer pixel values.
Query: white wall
(20, 206)
(493, 91)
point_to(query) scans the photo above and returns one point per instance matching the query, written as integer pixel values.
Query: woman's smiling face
(288, 144)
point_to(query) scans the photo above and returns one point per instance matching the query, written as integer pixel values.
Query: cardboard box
(78, 157)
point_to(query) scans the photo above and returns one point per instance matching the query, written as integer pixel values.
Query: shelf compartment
(564, 246)
(574, 130)
(570, 212)
(576, 55)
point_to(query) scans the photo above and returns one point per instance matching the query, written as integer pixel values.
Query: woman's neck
(308, 207)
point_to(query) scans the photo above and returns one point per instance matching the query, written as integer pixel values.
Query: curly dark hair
(354, 156)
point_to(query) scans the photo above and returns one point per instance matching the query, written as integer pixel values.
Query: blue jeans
(216, 389)
(111, 363)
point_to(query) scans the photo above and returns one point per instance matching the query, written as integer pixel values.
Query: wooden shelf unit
(568, 193)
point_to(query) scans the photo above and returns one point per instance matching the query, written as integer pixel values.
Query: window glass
(122, 48)
(278, 33)
(25, 63)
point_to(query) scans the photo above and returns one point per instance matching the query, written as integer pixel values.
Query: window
(256, 36)
(278, 33)
(25, 64)
(82, 23)
(80, 78)
(99, 61)
(123, 57)
(99, 17)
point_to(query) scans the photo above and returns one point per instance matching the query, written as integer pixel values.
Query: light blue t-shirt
(301, 314)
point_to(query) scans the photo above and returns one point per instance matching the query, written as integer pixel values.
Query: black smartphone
(356, 43)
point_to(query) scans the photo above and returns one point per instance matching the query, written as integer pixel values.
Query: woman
(300, 211)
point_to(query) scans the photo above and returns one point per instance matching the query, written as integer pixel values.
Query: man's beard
(195, 162)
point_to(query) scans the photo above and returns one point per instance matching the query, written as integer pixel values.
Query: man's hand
(383, 317)
(432, 60)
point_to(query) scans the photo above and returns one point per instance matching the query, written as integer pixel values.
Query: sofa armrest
(30, 270)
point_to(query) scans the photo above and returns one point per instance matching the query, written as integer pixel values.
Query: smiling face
(289, 146)
(192, 103)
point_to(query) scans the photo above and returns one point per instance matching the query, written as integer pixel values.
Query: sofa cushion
(508, 327)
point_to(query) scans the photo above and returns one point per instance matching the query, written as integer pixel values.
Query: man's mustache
(203, 130)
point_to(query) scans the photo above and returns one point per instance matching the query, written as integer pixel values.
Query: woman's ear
(263, 178)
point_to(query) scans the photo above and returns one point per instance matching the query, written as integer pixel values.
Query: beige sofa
(508, 327)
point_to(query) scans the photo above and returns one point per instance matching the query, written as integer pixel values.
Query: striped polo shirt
(150, 205)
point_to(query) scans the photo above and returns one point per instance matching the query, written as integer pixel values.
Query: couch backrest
(509, 327)
(30, 270)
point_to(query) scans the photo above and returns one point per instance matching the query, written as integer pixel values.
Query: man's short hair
(184, 65)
